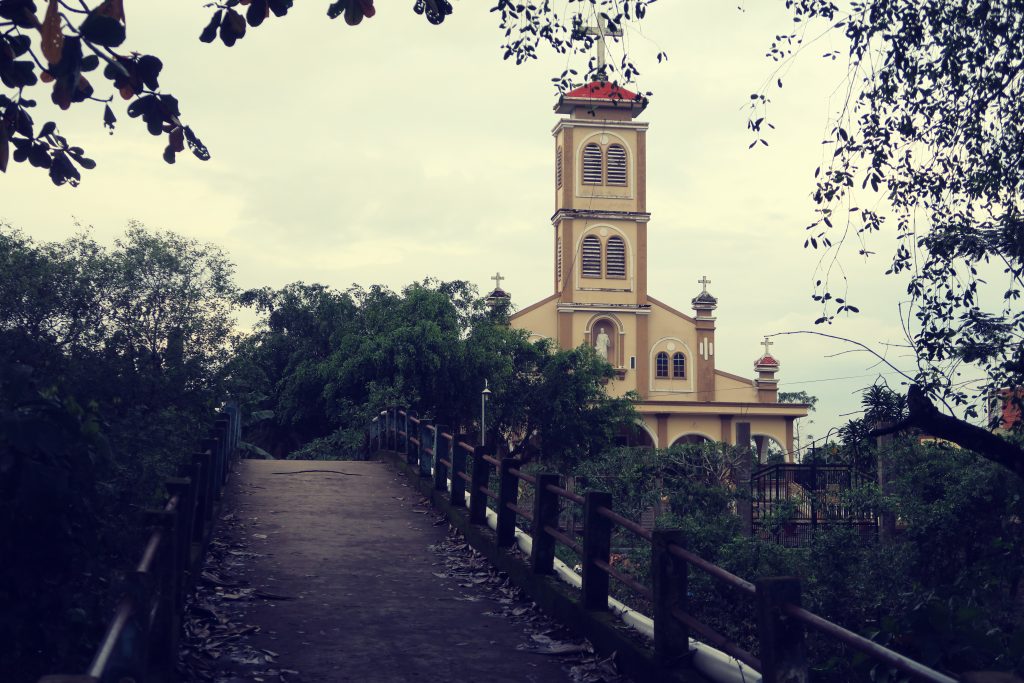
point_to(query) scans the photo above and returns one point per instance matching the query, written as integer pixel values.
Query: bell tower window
(591, 256)
(593, 164)
(615, 259)
(616, 165)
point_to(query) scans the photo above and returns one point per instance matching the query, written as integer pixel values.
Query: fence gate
(789, 502)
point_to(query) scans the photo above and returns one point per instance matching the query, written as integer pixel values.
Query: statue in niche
(602, 344)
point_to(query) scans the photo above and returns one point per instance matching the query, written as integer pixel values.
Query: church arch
(769, 449)
(691, 438)
(617, 180)
(663, 367)
(603, 233)
(616, 332)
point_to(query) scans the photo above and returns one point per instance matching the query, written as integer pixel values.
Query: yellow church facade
(600, 295)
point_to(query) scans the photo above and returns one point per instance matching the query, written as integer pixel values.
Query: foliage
(931, 130)
(110, 362)
(59, 42)
(798, 397)
(326, 362)
(946, 592)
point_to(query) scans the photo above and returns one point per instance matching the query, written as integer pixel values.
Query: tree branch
(925, 416)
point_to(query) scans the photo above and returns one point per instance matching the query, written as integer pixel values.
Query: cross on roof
(704, 281)
(601, 32)
(767, 343)
(497, 280)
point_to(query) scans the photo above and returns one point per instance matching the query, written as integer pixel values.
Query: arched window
(661, 364)
(616, 165)
(593, 171)
(615, 257)
(558, 167)
(591, 256)
(678, 365)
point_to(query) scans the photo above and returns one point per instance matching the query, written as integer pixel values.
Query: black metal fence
(790, 502)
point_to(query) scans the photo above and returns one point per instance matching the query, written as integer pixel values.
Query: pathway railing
(142, 638)
(781, 620)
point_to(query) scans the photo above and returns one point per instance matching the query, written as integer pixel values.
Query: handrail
(528, 478)
(414, 420)
(547, 533)
(184, 522)
(627, 580)
(625, 523)
(868, 647)
(563, 493)
(716, 639)
(563, 539)
(712, 569)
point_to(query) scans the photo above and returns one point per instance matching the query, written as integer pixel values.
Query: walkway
(336, 571)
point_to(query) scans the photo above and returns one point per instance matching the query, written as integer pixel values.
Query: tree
(59, 42)
(322, 363)
(932, 131)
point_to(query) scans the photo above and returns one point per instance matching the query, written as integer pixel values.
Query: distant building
(600, 295)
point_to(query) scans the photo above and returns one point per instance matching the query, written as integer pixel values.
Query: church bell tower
(600, 217)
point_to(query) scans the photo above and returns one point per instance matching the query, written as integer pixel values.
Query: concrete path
(343, 571)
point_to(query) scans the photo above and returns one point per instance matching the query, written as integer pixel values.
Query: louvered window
(593, 173)
(558, 168)
(661, 364)
(591, 256)
(615, 259)
(679, 366)
(558, 259)
(616, 165)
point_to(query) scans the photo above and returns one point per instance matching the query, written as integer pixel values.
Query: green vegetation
(110, 360)
(946, 592)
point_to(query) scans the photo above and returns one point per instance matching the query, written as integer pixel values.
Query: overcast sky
(396, 150)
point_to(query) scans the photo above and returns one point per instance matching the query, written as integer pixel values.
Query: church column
(641, 263)
(643, 357)
(662, 430)
(704, 305)
(726, 436)
(789, 438)
(568, 168)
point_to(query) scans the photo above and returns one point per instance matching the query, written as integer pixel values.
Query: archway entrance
(634, 436)
(691, 438)
(768, 450)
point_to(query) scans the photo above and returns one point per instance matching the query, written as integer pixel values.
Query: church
(600, 295)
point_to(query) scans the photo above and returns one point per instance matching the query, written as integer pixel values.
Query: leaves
(102, 27)
(51, 37)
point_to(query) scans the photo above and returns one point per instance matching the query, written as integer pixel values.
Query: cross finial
(704, 281)
(767, 343)
(601, 32)
(497, 280)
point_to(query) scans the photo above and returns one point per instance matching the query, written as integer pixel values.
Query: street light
(484, 395)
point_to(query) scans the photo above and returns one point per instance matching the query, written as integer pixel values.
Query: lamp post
(484, 395)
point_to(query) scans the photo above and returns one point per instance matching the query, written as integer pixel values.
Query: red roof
(766, 360)
(602, 90)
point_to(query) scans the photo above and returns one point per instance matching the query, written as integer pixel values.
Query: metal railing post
(597, 545)
(508, 494)
(783, 656)
(545, 513)
(670, 576)
(412, 430)
(481, 476)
